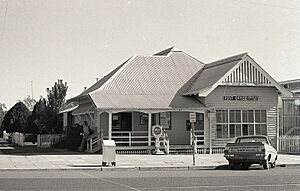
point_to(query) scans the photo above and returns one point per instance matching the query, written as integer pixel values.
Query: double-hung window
(233, 123)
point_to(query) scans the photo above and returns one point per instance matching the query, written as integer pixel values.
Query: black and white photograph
(145, 95)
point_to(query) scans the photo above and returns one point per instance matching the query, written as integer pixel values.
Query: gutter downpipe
(210, 133)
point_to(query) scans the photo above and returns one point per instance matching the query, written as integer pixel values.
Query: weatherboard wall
(267, 100)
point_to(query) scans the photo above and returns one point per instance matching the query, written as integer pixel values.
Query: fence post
(129, 137)
(91, 144)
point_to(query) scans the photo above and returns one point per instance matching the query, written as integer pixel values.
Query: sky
(78, 41)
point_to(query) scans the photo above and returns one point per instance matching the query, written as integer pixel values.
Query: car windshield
(251, 139)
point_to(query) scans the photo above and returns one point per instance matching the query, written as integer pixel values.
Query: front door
(199, 128)
(126, 121)
(122, 121)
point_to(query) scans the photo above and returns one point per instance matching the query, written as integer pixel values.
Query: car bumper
(246, 157)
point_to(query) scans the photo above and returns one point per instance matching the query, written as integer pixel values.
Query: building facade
(231, 97)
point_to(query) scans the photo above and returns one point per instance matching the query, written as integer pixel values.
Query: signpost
(193, 120)
(157, 132)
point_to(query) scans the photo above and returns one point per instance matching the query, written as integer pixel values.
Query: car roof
(252, 136)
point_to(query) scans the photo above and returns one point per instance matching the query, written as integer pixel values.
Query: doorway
(122, 121)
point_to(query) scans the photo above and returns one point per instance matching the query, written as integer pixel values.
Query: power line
(4, 23)
(266, 4)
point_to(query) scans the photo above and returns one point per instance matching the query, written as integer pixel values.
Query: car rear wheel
(245, 165)
(273, 165)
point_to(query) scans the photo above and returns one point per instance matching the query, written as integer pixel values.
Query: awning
(83, 109)
(66, 110)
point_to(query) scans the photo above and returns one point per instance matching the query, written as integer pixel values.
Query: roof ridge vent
(167, 51)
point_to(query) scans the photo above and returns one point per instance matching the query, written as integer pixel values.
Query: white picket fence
(47, 141)
(289, 144)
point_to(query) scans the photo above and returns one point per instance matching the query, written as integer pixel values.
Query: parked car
(247, 150)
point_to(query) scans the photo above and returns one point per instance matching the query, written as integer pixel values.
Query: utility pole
(31, 82)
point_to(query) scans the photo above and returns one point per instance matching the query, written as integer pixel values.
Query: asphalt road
(287, 178)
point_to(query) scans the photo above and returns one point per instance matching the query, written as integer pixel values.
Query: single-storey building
(231, 97)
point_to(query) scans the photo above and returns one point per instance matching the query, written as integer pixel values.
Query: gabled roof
(239, 70)
(149, 82)
(211, 73)
(161, 81)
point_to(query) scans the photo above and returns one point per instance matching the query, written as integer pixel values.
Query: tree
(15, 120)
(38, 121)
(2, 114)
(56, 95)
(45, 115)
(29, 102)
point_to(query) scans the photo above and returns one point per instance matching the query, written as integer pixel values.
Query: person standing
(85, 135)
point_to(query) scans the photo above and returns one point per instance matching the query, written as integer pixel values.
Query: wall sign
(192, 117)
(240, 98)
(157, 131)
(297, 102)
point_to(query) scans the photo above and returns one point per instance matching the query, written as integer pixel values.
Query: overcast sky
(79, 40)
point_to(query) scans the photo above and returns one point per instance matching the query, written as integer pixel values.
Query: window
(165, 120)
(199, 124)
(144, 119)
(233, 123)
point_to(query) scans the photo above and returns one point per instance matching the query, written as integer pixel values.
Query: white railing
(289, 144)
(93, 141)
(166, 143)
(199, 134)
(130, 138)
(121, 138)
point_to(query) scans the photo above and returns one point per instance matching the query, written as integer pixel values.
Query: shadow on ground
(12, 149)
(226, 167)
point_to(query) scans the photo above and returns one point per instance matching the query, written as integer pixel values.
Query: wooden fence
(289, 144)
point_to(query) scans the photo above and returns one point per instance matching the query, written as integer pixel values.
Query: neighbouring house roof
(290, 81)
(68, 107)
(292, 85)
(83, 108)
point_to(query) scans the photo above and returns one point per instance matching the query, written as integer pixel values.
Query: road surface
(287, 178)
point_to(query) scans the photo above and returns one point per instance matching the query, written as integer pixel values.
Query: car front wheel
(266, 164)
(233, 165)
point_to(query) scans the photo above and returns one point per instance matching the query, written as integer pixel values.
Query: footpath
(14, 159)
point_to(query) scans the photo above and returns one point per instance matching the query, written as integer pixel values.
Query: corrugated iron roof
(117, 100)
(212, 72)
(149, 82)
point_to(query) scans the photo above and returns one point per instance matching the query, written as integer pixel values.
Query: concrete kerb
(113, 168)
(144, 168)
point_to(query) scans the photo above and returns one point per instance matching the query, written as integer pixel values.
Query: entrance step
(180, 149)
